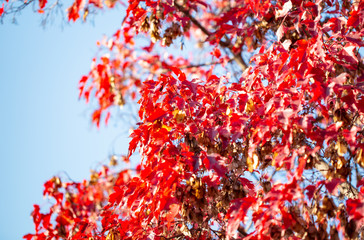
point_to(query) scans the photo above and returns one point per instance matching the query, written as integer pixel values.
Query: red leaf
(42, 3)
(360, 183)
(356, 208)
(73, 11)
(157, 113)
(134, 141)
(214, 161)
(310, 191)
(123, 178)
(353, 20)
(174, 209)
(98, 3)
(96, 116)
(247, 183)
(2, 10)
(82, 84)
(29, 236)
(334, 24)
(301, 166)
(180, 75)
(107, 118)
(332, 185)
(116, 196)
(37, 217)
(216, 52)
(237, 212)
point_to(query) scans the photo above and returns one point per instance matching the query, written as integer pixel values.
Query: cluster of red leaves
(116, 79)
(75, 206)
(278, 153)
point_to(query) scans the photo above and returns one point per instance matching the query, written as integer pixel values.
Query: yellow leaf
(340, 162)
(252, 162)
(166, 127)
(360, 157)
(249, 107)
(341, 148)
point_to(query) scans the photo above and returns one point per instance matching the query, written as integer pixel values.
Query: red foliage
(2, 10)
(257, 135)
(42, 4)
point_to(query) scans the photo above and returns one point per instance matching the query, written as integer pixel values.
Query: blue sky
(44, 128)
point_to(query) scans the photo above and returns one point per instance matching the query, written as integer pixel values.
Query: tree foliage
(251, 123)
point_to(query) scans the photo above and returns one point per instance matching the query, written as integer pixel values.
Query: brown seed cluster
(201, 202)
(113, 235)
(152, 24)
(193, 198)
(115, 88)
(171, 33)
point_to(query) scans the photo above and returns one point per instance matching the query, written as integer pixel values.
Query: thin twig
(196, 65)
(237, 56)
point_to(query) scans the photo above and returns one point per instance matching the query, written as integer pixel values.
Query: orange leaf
(174, 208)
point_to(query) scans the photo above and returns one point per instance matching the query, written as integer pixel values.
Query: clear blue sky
(44, 128)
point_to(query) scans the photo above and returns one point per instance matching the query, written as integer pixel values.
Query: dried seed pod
(113, 160)
(310, 162)
(167, 41)
(267, 186)
(328, 206)
(249, 107)
(340, 115)
(334, 234)
(340, 162)
(171, 33)
(252, 162)
(360, 157)
(154, 29)
(341, 148)
(185, 231)
(57, 182)
(113, 235)
(119, 100)
(322, 234)
(275, 231)
(160, 13)
(110, 3)
(94, 177)
(144, 27)
(154, 36)
(350, 229)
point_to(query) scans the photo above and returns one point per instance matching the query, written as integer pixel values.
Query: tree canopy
(250, 122)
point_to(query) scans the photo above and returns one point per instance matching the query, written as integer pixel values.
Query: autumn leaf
(42, 3)
(353, 20)
(2, 10)
(174, 210)
(214, 161)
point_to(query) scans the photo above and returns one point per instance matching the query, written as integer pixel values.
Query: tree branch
(345, 188)
(197, 65)
(237, 56)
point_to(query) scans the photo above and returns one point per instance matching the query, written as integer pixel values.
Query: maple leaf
(215, 162)
(353, 20)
